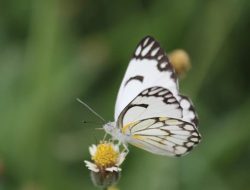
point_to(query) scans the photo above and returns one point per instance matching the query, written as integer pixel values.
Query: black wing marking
(149, 48)
(137, 77)
(189, 112)
(151, 102)
(163, 135)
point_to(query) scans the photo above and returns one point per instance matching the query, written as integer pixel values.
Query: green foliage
(52, 52)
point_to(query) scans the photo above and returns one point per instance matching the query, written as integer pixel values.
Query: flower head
(106, 156)
(180, 61)
(106, 159)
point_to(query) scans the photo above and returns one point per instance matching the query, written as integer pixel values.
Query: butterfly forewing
(148, 67)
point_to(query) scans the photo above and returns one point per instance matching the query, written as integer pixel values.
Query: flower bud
(104, 179)
(180, 61)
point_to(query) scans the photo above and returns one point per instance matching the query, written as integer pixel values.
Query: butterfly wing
(159, 123)
(188, 111)
(163, 135)
(151, 102)
(148, 67)
(158, 101)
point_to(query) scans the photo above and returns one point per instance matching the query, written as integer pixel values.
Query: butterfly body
(150, 113)
(112, 129)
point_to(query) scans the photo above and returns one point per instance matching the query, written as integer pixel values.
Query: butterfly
(149, 112)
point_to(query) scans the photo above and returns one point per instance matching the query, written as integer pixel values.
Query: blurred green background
(52, 52)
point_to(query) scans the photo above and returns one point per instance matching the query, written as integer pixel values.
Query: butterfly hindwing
(148, 67)
(163, 135)
(189, 113)
(151, 102)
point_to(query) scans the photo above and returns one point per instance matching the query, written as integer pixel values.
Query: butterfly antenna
(91, 122)
(91, 110)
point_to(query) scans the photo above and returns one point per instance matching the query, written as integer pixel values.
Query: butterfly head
(111, 128)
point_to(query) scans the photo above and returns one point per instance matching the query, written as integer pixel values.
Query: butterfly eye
(107, 128)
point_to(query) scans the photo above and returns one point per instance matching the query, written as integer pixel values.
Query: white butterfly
(150, 113)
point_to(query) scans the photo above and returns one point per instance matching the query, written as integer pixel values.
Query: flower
(113, 188)
(180, 61)
(106, 156)
(106, 159)
(105, 179)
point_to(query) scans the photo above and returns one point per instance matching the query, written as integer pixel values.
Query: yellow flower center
(105, 155)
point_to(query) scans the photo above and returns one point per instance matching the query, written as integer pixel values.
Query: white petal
(116, 148)
(121, 158)
(92, 149)
(113, 169)
(91, 166)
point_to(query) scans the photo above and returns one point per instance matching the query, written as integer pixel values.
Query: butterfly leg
(126, 150)
(104, 137)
